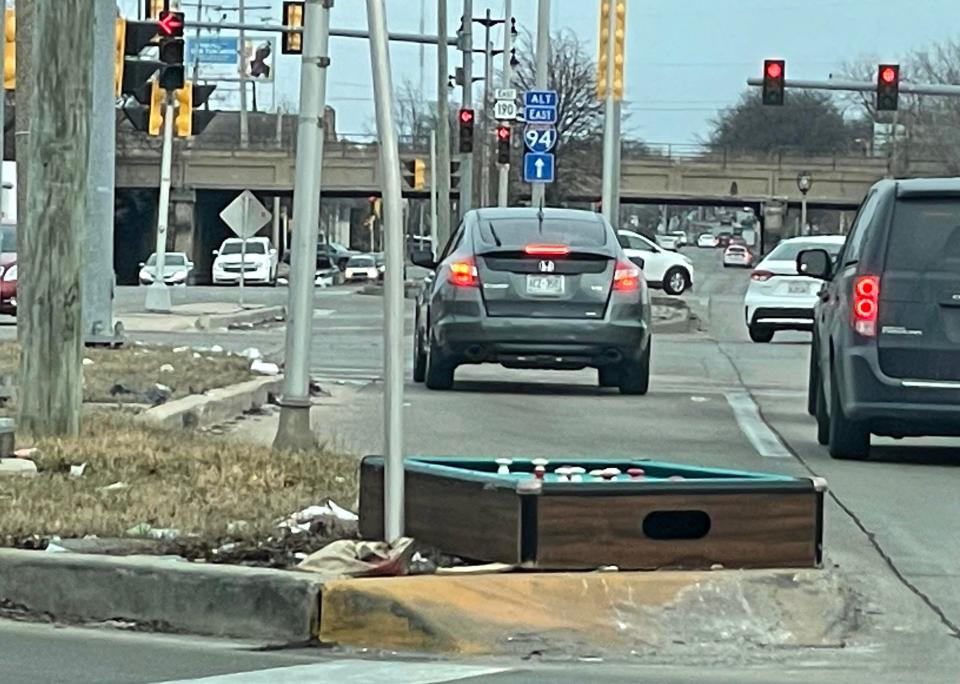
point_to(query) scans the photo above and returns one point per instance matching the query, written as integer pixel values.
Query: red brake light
(546, 250)
(463, 273)
(627, 277)
(761, 276)
(866, 305)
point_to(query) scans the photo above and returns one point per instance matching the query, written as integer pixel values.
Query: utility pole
(486, 140)
(294, 431)
(466, 158)
(442, 170)
(538, 190)
(503, 185)
(423, 63)
(99, 281)
(433, 188)
(611, 80)
(393, 346)
(244, 123)
(50, 326)
(158, 293)
(26, 14)
(3, 102)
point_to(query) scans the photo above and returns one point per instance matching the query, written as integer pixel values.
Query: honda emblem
(546, 266)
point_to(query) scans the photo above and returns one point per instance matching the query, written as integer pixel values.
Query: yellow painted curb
(505, 614)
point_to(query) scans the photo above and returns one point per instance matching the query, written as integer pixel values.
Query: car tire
(823, 418)
(438, 374)
(848, 440)
(635, 376)
(419, 359)
(760, 333)
(608, 376)
(676, 280)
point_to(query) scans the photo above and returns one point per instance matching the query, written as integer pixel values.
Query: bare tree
(573, 74)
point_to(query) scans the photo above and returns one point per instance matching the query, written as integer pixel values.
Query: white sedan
(661, 267)
(361, 267)
(707, 240)
(737, 255)
(779, 298)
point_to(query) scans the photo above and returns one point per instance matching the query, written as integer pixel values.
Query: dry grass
(138, 368)
(194, 482)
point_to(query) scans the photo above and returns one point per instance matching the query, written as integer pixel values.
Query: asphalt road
(716, 399)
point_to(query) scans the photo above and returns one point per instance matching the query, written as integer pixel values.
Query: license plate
(545, 285)
(799, 288)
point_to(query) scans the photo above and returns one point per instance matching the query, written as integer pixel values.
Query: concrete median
(216, 406)
(256, 316)
(587, 613)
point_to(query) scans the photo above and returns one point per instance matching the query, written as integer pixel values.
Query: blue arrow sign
(540, 139)
(538, 168)
(540, 106)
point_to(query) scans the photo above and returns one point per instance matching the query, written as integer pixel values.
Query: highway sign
(540, 106)
(538, 168)
(540, 139)
(245, 215)
(505, 94)
(505, 110)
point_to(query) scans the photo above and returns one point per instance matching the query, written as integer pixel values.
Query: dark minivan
(886, 345)
(529, 288)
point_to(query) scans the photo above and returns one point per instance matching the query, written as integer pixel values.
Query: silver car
(177, 268)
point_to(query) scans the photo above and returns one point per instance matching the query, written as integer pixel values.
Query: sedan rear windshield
(360, 262)
(517, 233)
(236, 246)
(788, 251)
(925, 235)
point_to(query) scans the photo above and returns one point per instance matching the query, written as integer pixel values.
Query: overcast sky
(685, 58)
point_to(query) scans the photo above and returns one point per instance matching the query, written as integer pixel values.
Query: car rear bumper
(221, 277)
(779, 312)
(540, 342)
(897, 406)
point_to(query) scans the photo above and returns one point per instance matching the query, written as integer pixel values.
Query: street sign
(505, 110)
(540, 139)
(257, 61)
(505, 94)
(216, 56)
(538, 168)
(245, 215)
(540, 106)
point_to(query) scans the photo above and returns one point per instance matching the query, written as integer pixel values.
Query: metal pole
(196, 54)
(503, 182)
(275, 227)
(486, 140)
(947, 90)
(442, 170)
(423, 29)
(803, 215)
(337, 33)
(98, 242)
(158, 294)
(538, 190)
(3, 103)
(393, 285)
(610, 142)
(466, 159)
(433, 188)
(244, 123)
(294, 430)
(245, 212)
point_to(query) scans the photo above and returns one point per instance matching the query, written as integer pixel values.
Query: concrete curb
(410, 290)
(593, 613)
(680, 320)
(265, 314)
(271, 606)
(216, 406)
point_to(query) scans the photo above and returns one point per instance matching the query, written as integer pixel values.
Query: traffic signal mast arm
(865, 86)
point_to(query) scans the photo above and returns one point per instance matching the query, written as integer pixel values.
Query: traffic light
(10, 51)
(503, 144)
(188, 121)
(130, 70)
(619, 40)
(292, 43)
(774, 77)
(466, 119)
(888, 87)
(171, 50)
(415, 174)
(158, 101)
(454, 175)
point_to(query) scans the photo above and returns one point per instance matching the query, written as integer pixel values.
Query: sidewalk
(199, 316)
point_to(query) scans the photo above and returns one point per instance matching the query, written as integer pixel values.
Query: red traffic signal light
(774, 82)
(503, 133)
(888, 87)
(466, 116)
(171, 24)
(466, 131)
(888, 74)
(774, 70)
(503, 144)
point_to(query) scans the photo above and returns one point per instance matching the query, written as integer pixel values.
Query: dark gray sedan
(529, 288)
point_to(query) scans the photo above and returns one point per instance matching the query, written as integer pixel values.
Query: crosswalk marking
(353, 672)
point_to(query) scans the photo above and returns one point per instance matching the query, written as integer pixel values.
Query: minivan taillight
(866, 305)
(626, 278)
(761, 276)
(463, 273)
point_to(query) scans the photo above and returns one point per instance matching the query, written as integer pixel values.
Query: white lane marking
(353, 672)
(320, 313)
(763, 439)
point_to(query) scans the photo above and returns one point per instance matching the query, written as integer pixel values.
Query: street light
(804, 183)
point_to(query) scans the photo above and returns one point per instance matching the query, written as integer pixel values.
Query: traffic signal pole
(158, 294)
(865, 86)
(99, 281)
(538, 190)
(503, 181)
(441, 170)
(466, 158)
(294, 431)
(610, 198)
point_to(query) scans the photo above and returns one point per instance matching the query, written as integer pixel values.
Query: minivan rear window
(925, 235)
(516, 233)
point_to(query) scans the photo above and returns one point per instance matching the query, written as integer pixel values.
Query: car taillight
(546, 250)
(626, 278)
(866, 305)
(463, 273)
(761, 276)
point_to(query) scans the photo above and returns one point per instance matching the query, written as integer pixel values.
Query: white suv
(259, 262)
(661, 267)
